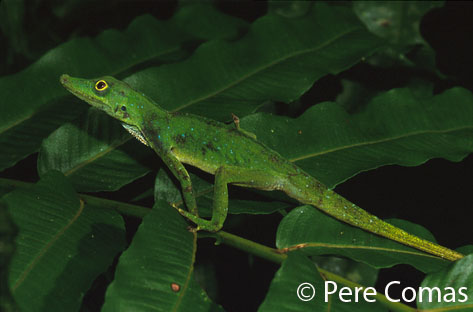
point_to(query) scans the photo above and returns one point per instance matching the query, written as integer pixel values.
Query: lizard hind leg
(236, 175)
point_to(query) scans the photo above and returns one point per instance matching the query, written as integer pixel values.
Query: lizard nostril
(64, 78)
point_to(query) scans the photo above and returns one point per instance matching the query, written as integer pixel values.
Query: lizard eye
(123, 108)
(101, 85)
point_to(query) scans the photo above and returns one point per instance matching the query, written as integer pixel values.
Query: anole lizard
(233, 155)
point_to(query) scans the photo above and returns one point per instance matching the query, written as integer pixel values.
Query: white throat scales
(136, 133)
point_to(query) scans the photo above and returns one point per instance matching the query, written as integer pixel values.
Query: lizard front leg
(181, 174)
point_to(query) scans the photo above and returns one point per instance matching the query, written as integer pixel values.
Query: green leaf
(90, 152)
(284, 289)
(450, 289)
(32, 105)
(199, 20)
(160, 258)
(394, 128)
(308, 229)
(397, 21)
(289, 9)
(293, 279)
(278, 59)
(22, 135)
(354, 271)
(58, 237)
(166, 189)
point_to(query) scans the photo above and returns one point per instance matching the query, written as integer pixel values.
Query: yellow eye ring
(101, 85)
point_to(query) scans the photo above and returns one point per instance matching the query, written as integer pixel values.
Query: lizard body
(233, 155)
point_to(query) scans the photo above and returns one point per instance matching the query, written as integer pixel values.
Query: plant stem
(125, 208)
(262, 251)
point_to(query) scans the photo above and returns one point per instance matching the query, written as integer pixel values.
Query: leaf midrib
(265, 67)
(46, 247)
(344, 246)
(389, 139)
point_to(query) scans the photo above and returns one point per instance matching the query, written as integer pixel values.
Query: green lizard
(233, 155)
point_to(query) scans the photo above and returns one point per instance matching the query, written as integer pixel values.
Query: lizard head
(108, 94)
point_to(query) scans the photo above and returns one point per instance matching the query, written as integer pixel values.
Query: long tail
(314, 193)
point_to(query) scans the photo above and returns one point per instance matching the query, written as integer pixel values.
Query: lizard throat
(134, 131)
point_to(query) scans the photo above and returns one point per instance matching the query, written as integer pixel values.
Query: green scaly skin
(232, 155)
